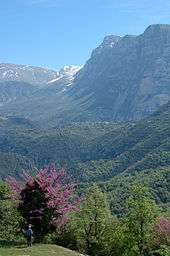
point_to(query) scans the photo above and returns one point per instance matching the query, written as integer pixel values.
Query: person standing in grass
(29, 234)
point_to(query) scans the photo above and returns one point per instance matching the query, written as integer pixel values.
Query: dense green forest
(107, 153)
(92, 146)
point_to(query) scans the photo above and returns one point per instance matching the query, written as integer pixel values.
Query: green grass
(37, 250)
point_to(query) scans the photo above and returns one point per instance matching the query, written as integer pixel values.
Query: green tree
(141, 216)
(90, 224)
(9, 217)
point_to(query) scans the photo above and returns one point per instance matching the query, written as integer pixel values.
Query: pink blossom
(59, 195)
(163, 226)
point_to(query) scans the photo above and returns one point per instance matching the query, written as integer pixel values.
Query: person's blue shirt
(29, 232)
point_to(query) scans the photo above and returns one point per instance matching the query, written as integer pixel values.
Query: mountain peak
(155, 28)
(70, 70)
(110, 40)
(108, 43)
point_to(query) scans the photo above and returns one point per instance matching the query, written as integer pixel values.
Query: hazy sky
(54, 33)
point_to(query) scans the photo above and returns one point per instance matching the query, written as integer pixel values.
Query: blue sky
(54, 33)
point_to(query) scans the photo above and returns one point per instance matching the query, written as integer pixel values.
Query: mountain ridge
(126, 79)
(127, 64)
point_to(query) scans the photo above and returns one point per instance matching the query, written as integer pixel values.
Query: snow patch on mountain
(67, 72)
(37, 76)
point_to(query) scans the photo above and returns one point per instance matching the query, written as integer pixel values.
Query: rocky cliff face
(127, 78)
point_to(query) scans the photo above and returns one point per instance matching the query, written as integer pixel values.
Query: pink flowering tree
(45, 200)
(162, 229)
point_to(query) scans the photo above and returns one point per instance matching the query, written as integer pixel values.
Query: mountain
(67, 73)
(23, 73)
(21, 85)
(37, 76)
(107, 122)
(126, 79)
(14, 91)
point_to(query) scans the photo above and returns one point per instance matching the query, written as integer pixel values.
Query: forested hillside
(118, 188)
(93, 152)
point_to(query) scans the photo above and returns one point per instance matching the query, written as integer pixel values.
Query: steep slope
(12, 92)
(118, 188)
(145, 145)
(127, 78)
